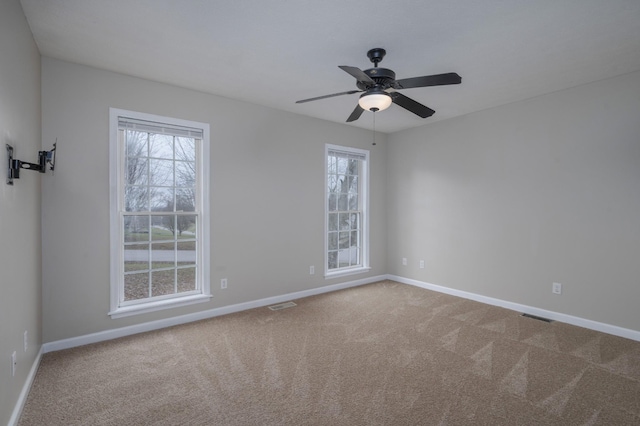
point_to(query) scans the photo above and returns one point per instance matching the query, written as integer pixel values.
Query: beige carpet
(380, 354)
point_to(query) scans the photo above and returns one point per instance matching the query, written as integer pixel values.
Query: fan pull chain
(374, 128)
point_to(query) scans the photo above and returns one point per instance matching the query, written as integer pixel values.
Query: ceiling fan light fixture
(375, 101)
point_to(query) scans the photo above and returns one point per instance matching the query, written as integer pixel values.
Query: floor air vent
(537, 318)
(281, 306)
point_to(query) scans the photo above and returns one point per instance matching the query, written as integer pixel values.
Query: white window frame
(119, 308)
(364, 200)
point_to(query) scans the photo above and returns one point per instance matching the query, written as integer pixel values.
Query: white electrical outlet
(223, 283)
(404, 261)
(312, 270)
(26, 340)
(422, 264)
(14, 364)
(556, 288)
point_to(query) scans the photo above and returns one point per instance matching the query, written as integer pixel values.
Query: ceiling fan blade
(357, 112)
(430, 80)
(411, 105)
(350, 92)
(358, 74)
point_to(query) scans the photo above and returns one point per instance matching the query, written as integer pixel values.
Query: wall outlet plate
(223, 283)
(556, 288)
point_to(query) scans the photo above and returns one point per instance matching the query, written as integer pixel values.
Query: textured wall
(506, 201)
(20, 299)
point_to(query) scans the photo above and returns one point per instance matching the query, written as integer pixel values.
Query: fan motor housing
(382, 76)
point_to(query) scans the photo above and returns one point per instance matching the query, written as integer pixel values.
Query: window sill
(144, 308)
(346, 272)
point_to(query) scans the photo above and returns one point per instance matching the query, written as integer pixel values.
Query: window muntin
(346, 210)
(158, 212)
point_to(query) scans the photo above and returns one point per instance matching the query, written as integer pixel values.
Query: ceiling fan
(380, 88)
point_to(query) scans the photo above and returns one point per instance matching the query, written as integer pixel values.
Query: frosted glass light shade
(380, 101)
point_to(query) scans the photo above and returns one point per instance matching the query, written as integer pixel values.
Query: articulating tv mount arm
(44, 157)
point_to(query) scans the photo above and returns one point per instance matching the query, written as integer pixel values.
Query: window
(159, 221)
(346, 221)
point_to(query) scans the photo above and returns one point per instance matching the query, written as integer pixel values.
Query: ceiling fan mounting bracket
(375, 55)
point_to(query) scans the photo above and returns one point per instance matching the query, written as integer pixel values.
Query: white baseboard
(22, 399)
(197, 316)
(569, 319)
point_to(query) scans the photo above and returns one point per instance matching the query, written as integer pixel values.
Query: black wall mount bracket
(44, 158)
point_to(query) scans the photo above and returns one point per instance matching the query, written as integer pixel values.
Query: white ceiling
(274, 52)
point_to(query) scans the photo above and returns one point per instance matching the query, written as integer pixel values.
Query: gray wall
(266, 191)
(506, 201)
(20, 302)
